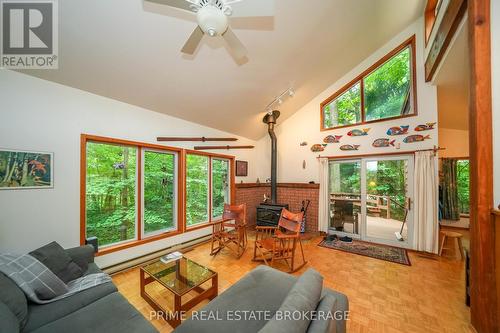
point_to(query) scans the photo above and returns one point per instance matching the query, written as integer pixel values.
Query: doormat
(377, 251)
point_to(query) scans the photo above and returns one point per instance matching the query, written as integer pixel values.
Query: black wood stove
(268, 213)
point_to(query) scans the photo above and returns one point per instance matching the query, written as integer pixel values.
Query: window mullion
(140, 192)
(210, 184)
(362, 97)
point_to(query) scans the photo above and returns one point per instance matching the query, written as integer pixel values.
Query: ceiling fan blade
(247, 8)
(235, 44)
(193, 41)
(181, 4)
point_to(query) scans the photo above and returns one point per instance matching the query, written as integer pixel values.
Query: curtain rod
(435, 150)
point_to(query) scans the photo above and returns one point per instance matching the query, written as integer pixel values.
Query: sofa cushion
(40, 315)
(340, 309)
(263, 289)
(92, 269)
(82, 255)
(326, 308)
(110, 314)
(58, 261)
(8, 321)
(301, 301)
(14, 299)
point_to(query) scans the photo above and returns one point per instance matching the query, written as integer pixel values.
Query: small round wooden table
(454, 235)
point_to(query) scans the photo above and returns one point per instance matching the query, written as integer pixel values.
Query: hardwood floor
(427, 296)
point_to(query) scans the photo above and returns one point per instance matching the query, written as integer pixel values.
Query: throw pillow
(58, 261)
(296, 310)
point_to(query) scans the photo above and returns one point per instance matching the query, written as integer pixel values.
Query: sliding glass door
(387, 190)
(370, 199)
(345, 196)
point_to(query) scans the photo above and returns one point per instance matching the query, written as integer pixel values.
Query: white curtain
(323, 195)
(426, 227)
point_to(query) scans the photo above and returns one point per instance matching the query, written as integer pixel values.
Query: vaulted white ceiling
(129, 50)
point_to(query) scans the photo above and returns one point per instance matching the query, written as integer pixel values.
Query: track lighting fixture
(290, 92)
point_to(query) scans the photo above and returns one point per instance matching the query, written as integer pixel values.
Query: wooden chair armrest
(285, 236)
(257, 228)
(263, 231)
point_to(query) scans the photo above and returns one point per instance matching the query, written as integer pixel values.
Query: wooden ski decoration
(201, 139)
(222, 147)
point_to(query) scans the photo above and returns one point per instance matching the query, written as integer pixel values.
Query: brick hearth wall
(292, 194)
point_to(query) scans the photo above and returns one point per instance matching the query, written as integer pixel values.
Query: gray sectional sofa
(264, 292)
(98, 309)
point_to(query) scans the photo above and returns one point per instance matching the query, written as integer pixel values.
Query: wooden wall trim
(484, 308)
(451, 20)
(430, 18)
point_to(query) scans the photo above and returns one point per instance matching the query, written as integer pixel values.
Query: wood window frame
(430, 16)
(453, 16)
(232, 190)
(181, 188)
(410, 42)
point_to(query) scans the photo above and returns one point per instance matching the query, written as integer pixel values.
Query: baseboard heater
(138, 261)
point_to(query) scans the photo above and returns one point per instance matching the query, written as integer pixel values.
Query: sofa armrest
(82, 255)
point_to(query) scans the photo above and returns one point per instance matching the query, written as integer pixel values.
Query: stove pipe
(270, 119)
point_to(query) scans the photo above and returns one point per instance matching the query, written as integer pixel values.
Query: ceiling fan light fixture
(212, 21)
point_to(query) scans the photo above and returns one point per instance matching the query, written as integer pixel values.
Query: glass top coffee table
(179, 277)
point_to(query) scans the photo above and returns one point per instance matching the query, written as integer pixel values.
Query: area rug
(377, 251)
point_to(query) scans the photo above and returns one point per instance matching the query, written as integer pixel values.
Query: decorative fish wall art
(416, 138)
(358, 132)
(398, 130)
(383, 142)
(426, 127)
(349, 147)
(318, 148)
(332, 139)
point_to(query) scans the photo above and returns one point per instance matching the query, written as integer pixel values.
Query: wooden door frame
(484, 316)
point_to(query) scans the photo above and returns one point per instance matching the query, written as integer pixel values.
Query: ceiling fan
(213, 19)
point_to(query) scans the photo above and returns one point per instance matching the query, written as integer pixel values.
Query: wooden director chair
(230, 230)
(279, 243)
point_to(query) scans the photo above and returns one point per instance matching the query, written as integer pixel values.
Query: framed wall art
(241, 168)
(20, 169)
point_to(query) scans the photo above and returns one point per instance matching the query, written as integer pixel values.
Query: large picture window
(111, 197)
(159, 193)
(208, 187)
(132, 192)
(129, 192)
(384, 91)
(197, 189)
(220, 186)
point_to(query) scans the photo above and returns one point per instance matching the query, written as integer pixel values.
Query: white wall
(495, 72)
(305, 124)
(455, 141)
(39, 115)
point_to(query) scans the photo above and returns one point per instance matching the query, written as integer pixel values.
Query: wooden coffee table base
(174, 317)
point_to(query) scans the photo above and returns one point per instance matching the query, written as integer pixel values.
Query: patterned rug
(377, 251)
